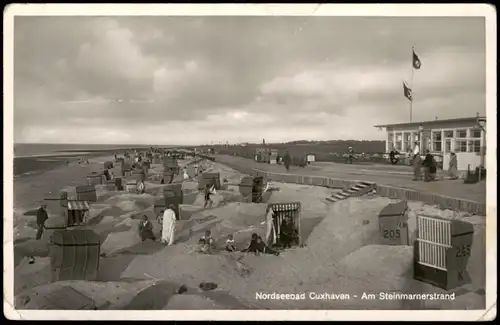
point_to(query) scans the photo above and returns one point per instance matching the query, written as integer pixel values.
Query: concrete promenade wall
(444, 202)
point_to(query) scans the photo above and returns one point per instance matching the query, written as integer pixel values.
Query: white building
(464, 136)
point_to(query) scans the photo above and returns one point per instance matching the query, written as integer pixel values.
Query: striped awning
(78, 205)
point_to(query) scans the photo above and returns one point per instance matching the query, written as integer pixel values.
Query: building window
(436, 141)
(461, 146)
(448, 134)
(390, 143)
(475, 146)
(475, 133)
(461, 134)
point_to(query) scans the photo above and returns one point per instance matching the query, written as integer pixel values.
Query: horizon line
(179, 145)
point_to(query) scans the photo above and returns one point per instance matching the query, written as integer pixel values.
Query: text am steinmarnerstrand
(345, 296)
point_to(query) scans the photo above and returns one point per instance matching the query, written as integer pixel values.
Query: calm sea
(32, 158)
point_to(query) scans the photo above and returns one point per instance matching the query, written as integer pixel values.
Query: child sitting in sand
(146, 229)
(206, 243)
(230, 246)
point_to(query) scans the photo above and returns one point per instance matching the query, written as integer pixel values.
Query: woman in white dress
(270, 231)
(168, 228)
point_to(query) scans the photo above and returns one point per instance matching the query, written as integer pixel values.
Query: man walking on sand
(417, 161)
(168, 226)
(41, 217)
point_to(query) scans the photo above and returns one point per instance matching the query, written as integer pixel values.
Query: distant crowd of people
(430, 165)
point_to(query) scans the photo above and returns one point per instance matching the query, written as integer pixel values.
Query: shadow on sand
(307, 226)
(111, 267)
(158, 296)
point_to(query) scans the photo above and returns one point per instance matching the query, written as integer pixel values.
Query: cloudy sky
(191, 80)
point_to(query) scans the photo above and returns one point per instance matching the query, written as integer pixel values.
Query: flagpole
(411, 83)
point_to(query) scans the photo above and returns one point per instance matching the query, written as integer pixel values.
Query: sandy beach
(341, 254)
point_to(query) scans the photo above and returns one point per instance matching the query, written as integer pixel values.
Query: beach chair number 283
(392, 233)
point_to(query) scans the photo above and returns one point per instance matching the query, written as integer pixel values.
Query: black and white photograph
(250, 162)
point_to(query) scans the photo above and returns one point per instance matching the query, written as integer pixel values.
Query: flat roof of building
(462, 119)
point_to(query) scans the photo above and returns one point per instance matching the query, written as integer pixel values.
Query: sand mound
(125, 200)
(374, 269)
(154, 297)
(117, 241)
(106, 295)
(237, 214)
(31, 247)
(193, 302)
(311, 197)
(179, 263)
(239, 219)
(107, 219)
(22, 232)
(343, 230)
(27, 276)
(128, 206)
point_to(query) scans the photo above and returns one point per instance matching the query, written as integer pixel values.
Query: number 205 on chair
(393, 224)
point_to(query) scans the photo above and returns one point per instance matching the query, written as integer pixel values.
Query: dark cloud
(240, 76)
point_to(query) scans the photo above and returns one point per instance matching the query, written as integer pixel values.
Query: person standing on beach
(417, 161)
(41, 218)
(168, 226)
(350, 155)
(453, 166)
(141, 187)
(208, 193)
(287, 160)
(429, 167)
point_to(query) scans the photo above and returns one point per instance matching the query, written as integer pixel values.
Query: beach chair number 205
(392, 233)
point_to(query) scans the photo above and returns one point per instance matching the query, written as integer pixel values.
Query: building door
(447, 145)
(426, 141)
